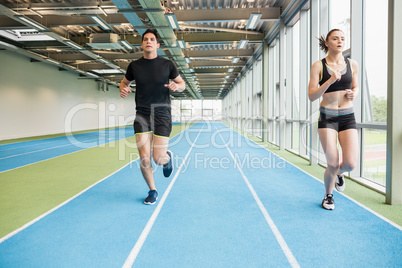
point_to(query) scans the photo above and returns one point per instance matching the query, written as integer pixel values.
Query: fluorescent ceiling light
(7, 45)
(32, 23)
(172, 20)
(103, 11)
(103, 60)
(25, 35)
(230, 70)
(191, 70)
(181, 44)
(101, 22)
(187, 60)
(253, 20)
(53, 61)
(91, 74)
(227, 77)
(106, 71)
(235, 60)
(242, 44)
(74, 45)
(126, 44)
(35, 12)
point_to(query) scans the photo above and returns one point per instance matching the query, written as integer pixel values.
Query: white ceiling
(67, 36)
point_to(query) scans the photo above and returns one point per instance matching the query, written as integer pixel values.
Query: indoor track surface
(228, 203)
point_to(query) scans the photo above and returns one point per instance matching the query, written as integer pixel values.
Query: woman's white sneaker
(328, 202)
(340, 183)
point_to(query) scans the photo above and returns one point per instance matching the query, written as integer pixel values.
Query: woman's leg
(329, 142)
(348, 140)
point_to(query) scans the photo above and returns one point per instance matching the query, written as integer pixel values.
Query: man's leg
(144, 142)
(160, 150)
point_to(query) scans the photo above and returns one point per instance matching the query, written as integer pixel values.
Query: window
(340, 18)
(374, 89)
(375, 60)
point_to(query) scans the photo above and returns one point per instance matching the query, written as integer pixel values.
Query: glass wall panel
(340, 18)
(295, 135)
(176, 110)
(374, 158)
(186, 110)
(375, 60)
(296, 73)
(212, 110)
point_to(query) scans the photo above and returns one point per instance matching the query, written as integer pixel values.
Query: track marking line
(60, 205)
(140, 242)
(286, 250)
(348, 197)
(45, 149)
(49, 140)
(61, 155)
(4, 238)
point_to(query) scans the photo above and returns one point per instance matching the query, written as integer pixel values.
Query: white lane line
(288, 253)
(45, 149)
(58, 156)
(92, 134)
(59, 206)
(140, 242)
(348, 197)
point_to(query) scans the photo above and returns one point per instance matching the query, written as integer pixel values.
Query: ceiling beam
(225, 14)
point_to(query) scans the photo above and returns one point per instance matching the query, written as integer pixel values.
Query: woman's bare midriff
(336, 100)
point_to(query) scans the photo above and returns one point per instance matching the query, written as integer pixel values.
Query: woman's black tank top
(344, 83)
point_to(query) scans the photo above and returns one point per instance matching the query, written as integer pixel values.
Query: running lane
(349, 236)
(97, 228)
(20, 154)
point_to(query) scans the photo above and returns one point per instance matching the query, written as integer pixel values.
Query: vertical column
(282, 89)
(271, 88)
(315, 56)
(356, 53)
(265, 80)
(289, 86)
(394, 110)
(304, 70)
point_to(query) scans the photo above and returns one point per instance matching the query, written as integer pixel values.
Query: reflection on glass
(374, 157)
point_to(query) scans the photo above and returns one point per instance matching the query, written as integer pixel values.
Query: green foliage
(379, 105)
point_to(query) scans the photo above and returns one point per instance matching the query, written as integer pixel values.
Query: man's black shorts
(159, 125)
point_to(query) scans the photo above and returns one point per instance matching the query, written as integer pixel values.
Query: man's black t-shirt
(151, 76)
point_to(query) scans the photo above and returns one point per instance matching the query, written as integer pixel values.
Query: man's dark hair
(154, 32)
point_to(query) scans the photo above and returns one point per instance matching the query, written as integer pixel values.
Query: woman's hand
(350, 94)
(336, 76)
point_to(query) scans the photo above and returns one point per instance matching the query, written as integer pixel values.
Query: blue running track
(229, 203)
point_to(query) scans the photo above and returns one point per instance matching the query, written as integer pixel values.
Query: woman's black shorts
(159, 125)
(337, 122)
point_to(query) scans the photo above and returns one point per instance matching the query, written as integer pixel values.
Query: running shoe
(340, 183)
(152, 197)
(328, 202)
(168, 168)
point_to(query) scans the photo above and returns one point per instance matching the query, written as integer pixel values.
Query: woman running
(334, 78)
